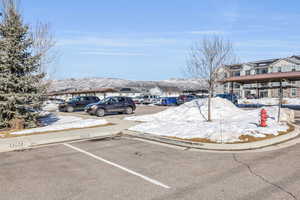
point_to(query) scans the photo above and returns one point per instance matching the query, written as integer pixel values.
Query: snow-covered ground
(50, 106)
(56, 123)
(270, 101)
(228, 124)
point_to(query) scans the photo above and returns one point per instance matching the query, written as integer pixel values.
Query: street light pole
(280, 99)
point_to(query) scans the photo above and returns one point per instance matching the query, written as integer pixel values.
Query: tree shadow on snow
(48, 120)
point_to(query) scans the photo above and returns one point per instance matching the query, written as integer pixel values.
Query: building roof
(129, 90)
(100, 90)
(196, 91)
(294, 59)
(260, 78)
(268, 61)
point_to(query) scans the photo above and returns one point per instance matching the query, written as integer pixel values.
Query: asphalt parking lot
(124, 168)
(140, 110)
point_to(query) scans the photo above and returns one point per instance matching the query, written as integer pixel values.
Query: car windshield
(75, 99)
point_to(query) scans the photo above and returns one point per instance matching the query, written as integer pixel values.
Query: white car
(150, 99)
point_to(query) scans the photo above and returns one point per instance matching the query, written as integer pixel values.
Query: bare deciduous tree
(205, 59)
(43, 42)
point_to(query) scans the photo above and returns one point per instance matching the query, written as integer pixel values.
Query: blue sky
(148, 40)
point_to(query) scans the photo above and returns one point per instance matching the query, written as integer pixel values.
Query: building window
(263, 94)
(264, 71)
(247, 72)
(237, 73)
(279, 69)
(294, 92)
(264, 84)
(293, 68)
(236, 85)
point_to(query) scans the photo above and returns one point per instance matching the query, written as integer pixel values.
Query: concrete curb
(27, 142)
(30, 141)
(217, 147)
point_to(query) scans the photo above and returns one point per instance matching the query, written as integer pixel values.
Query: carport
(266, 78)
(95, 92)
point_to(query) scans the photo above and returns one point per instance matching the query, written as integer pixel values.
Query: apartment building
(264, 78)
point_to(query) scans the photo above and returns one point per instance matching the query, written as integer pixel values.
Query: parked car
(251, 96)
(77, 103)
(111, 105)
(138, 100)
(150, 99)
(168, 101)
(231, 97)
(186, 98)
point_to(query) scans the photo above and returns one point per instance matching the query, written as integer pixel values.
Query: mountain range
(73, 84)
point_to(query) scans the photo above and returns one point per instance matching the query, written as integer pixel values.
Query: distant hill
(95, 83)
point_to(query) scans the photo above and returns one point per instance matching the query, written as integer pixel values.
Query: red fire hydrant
(263, 118)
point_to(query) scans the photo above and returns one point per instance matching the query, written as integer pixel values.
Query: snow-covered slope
(94, 83)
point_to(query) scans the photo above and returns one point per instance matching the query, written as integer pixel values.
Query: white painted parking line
(119, 166)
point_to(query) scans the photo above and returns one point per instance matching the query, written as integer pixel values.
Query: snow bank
(270, 101)
(50, 106)
(57, 123)
(228, 121)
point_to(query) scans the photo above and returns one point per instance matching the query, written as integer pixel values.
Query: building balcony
(262, 78)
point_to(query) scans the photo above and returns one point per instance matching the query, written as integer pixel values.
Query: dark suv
(77, 103)
(231, 97)
(186, 98)
(111, 105)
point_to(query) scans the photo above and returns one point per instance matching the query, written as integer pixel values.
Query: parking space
(124, 168)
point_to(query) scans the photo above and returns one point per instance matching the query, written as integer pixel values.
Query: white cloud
(207, 32)
(93, 41)
(110, 53)
(276, 44)
(115, 42)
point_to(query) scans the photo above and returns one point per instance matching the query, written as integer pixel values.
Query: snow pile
(270, 101)
(42, 114)
(50, 106)
(57, 123)
(228, 121)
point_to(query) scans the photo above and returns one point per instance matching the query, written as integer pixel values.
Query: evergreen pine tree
(19, 69)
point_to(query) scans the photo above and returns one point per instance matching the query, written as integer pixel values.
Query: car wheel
(129, 110)
(70, 109)
(100, 112)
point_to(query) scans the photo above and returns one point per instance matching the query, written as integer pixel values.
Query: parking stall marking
(118, 166)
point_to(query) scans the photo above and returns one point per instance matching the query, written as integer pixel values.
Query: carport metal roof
(261, 78)
(100, 90)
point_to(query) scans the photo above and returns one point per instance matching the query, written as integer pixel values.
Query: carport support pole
(280, 99)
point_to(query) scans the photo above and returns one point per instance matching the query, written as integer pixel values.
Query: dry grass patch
(246, 102)
(243, 138)
(202, 140)
(248, 138)
(284, 102)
